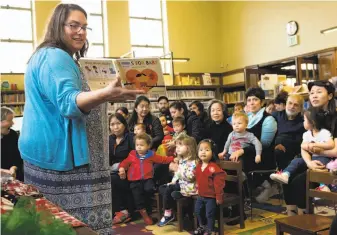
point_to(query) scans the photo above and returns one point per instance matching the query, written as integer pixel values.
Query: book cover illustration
(98, 72)
(140, 73)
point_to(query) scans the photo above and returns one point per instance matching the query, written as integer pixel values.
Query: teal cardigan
(53, 134)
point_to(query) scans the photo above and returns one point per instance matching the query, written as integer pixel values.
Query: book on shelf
(191, 94)
(207, 79)
(12, 98)
(234, 97)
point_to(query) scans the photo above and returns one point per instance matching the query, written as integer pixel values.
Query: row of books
(191, 94)
(130, 106)
(12, 98)
(234, 97)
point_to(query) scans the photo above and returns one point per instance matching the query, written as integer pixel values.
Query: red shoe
(121, 217)
(147, 219)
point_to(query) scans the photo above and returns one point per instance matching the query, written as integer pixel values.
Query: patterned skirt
(83, 193)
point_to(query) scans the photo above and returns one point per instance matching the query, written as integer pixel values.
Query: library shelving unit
(14, 99)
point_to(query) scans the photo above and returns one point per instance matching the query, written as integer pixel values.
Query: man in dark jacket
(163, 106)
(289, 131)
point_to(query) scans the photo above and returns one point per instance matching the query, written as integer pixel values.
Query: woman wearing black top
(120, 144)
(142, 114)
(194, 127)
(217, 128)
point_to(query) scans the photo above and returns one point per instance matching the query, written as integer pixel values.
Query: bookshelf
(14, 99)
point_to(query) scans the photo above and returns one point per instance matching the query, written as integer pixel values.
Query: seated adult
(264, 127)
(120, 144)
(217, 127)
(163, 106)
(142, 114)
(321, 95)
(10, 155)
(194, 127)
(289, 131)
(197, 107)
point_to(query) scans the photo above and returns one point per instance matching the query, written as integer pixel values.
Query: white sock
(125, 212)
(168, 213)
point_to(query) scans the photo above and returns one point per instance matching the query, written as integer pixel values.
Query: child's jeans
(142, 191)
(170, 193)
(208, 205)
(299, 165)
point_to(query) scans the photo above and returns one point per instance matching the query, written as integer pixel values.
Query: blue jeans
(299, 165)
(209, 205)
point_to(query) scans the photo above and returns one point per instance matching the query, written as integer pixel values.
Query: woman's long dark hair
(134, 116)
(54, 36)
(180, 105)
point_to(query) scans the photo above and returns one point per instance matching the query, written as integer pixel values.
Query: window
(96, 37)
(148, 29)
(17, 35)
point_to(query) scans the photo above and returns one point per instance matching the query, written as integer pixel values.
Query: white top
(323, 136)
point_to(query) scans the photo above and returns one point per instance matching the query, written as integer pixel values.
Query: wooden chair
(310, 223)
(230, 198)
(159, 205)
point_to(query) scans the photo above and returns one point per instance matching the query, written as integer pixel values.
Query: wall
(118, 28)
(194, 33)
(254, 32)
(43, 10)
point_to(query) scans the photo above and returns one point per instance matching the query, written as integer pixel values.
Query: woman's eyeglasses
(77, 28)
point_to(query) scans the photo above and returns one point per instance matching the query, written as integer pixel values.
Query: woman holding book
(64, 139)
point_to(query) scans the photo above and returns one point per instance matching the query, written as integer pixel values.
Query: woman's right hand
(315, 165)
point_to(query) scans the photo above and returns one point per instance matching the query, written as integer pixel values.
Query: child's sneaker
(322, 187)
(280, 177)
(165, 220)
(332, 165)
(121, 217)
(199, 231)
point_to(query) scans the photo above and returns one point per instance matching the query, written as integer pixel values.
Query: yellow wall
(118, 28)
(235, 34)
(43, 11)
(194, 33)
(254, 32)
(14, 79)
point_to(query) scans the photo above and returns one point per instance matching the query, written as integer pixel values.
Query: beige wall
(235, 34)
(118, 28)
(193, 28)
(254, 32)
(43, 11)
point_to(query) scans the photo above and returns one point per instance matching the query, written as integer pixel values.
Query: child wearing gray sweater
(240, 138)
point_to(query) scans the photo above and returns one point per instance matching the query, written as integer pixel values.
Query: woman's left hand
(114, 92)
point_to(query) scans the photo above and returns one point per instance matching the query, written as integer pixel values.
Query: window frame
(13, 40)
(166, 65)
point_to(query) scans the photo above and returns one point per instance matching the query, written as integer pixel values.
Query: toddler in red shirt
(210, 179)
